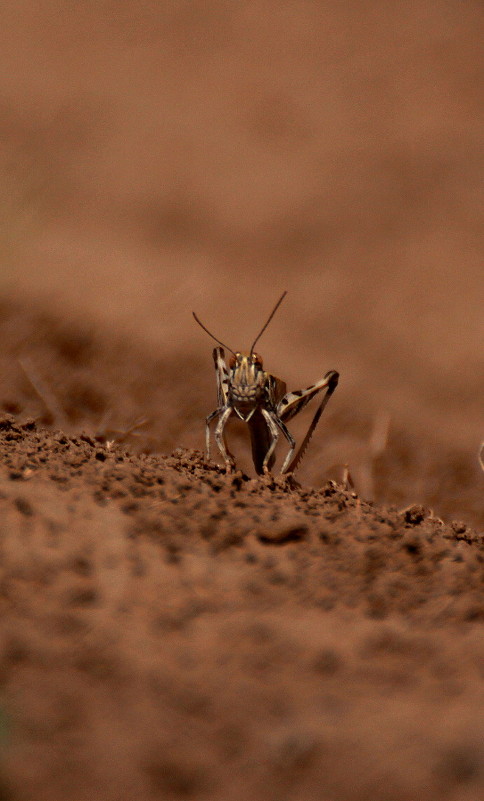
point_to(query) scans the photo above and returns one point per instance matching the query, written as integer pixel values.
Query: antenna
(211, 335)
(268, 321)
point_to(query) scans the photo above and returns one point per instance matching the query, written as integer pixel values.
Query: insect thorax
(247, 384)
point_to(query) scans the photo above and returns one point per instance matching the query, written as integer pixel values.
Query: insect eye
(232, 362)
(256, 359)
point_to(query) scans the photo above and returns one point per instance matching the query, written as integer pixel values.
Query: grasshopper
(260, 400)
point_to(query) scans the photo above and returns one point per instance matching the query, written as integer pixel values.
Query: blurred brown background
(162, 157)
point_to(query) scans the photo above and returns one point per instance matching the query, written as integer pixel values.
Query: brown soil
(168, 631)
(172, 632)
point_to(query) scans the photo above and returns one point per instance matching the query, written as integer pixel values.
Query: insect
(260, 399)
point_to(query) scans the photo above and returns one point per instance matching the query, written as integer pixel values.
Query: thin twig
(377, 444)
(347, 480)
(45, 394)
(120, 434)
(379, 434)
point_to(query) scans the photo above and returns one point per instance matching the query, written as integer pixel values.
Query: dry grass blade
(43, 391)
(379, 434)
(347, 480)
(120, 434)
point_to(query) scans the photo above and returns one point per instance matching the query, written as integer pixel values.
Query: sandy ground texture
(172, 632)
(167, 631)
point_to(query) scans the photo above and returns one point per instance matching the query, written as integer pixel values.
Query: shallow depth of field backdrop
(167, 632)
(161, 157)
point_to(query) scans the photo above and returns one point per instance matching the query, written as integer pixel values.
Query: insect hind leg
(292, 403)
(330, 382)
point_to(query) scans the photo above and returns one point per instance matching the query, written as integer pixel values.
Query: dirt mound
(169, 631)
(81, 377)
